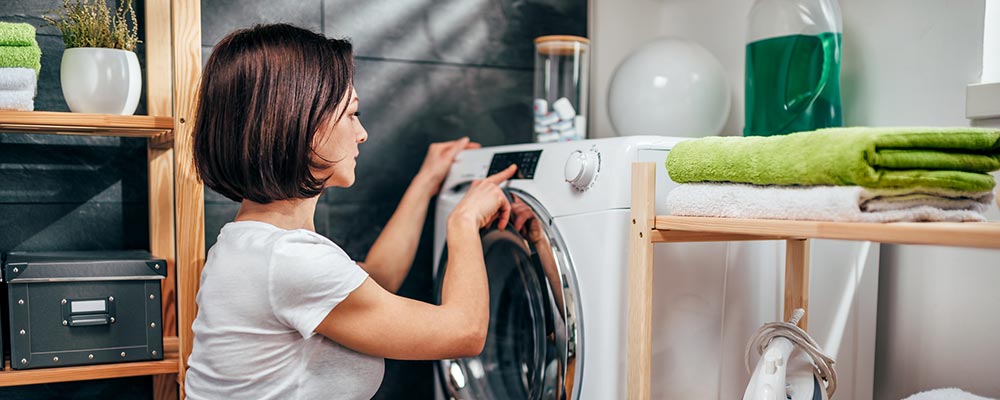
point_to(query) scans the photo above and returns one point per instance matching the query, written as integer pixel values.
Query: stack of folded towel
(839, 174)
(946, 394)
(20, 62)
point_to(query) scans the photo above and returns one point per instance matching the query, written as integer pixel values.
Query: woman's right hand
(414, 330)
(485, 202)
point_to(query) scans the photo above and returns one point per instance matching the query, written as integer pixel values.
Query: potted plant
(99, 71)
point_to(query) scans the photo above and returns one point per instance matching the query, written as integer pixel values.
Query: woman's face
(338, 144)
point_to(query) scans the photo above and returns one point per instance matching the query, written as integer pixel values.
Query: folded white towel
(946, 394)
(18, 79)
(18, 100)
(826, 203)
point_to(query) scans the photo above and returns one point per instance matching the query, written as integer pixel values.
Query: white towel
(826, 203)
(18, 79)
(18, 100)
(946, 394)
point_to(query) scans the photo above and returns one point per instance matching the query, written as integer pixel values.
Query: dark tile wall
(427, 70)
(70, 193)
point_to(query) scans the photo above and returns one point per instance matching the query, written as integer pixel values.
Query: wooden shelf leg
(797, 279)
(640, 282)
(159, 85)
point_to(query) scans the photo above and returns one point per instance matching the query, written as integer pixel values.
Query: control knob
(581, 169)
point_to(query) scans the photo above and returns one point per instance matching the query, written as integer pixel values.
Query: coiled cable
(822, 363)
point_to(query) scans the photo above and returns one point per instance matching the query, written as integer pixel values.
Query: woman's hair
(265, 93)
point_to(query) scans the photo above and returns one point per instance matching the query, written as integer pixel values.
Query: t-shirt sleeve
(307, 279)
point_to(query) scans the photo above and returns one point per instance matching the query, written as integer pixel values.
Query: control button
(581, 169)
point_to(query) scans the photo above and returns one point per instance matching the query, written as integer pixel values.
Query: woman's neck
(285, 214)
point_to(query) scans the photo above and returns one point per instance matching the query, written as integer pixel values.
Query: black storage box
(82, 308)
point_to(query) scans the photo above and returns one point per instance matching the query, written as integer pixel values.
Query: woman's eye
(357, 114)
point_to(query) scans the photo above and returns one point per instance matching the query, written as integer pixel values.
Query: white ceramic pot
(101, 80)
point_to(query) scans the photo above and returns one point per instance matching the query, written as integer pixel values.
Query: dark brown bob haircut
(265, 93)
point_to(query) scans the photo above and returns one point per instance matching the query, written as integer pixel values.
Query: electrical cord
(822, 363)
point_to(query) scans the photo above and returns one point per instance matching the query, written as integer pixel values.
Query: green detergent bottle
(793, 67)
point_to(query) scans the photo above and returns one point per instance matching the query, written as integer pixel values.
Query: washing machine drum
(531, 349)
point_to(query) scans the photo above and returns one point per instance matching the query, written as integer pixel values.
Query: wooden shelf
(169, 365)
(966, 234)
(63, 123)
(648, 229)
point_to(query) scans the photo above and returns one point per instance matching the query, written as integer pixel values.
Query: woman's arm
(391, 256)
(373, 321)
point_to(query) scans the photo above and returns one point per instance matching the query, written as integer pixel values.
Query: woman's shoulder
(284, 243)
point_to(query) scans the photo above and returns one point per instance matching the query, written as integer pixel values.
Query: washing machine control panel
(526, 162)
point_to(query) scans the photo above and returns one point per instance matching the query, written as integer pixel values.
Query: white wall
(905, 62)
(616, 27)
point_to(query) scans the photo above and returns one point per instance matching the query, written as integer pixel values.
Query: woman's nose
(363, 136)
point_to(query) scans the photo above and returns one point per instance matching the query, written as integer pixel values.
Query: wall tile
(219, 17)
(48, 173)
(74, 226)
(406, 106)
(482, 32)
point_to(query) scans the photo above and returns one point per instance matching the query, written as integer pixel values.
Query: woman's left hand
(439, 158)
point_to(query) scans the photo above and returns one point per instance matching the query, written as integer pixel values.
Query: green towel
(17, 34)
(23, 56)
(951, 158)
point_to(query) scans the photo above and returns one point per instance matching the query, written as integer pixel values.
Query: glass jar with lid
(562, 67)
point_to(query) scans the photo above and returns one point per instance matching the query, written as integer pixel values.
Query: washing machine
(558, 274)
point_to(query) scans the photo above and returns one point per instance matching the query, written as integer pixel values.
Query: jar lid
(561, 44)
(561, 38)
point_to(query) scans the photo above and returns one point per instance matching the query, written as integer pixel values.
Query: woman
(284, 313)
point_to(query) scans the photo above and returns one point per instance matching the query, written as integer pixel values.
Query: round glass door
(531, 349)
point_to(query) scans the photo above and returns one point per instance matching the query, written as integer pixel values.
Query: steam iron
(791, 366)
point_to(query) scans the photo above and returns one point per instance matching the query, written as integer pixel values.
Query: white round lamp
(670, 87)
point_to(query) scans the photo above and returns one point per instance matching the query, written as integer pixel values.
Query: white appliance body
(709, 298)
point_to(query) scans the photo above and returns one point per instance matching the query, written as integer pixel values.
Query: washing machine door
(532, 347)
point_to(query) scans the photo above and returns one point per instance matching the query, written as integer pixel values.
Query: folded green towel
(953, 158)
(17, 34)
(22, 56)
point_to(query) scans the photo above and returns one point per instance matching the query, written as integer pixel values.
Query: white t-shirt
(263, 292)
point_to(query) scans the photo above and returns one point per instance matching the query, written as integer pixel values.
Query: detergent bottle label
(793, 84)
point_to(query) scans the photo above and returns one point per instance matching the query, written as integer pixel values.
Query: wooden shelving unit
(176, 197)
(648, 229)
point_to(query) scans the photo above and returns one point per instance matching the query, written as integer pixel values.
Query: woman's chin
(343, 182)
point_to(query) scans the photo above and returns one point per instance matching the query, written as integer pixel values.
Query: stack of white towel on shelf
(946, 394)
(20, 62)
(17, 89)
(827, 203)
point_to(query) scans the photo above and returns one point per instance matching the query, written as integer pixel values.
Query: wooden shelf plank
(9, 377)
(969, 234)
(169, 365)
(64, 123)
